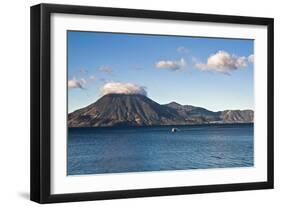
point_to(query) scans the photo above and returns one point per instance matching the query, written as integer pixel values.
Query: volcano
(139, 110)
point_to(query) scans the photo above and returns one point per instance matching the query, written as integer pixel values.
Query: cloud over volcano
(122, 88)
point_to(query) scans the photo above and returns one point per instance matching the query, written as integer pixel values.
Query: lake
(140, 149)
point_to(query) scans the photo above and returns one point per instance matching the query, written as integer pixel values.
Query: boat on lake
(175, 130)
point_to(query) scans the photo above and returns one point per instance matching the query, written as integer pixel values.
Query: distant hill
(139, 110)
(201, 115)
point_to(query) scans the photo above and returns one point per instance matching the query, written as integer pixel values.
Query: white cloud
(105, 69)
(93, 78)
(251, 58)
(182, 49)
(222, 62)
(74, 84)
(122, 88)
(83, 81)
(171, 64)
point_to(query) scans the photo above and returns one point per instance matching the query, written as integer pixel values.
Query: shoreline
(150, 126)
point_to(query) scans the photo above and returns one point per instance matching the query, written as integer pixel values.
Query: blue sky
(214, 73)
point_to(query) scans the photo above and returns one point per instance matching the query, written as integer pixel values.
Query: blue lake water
(139, 149)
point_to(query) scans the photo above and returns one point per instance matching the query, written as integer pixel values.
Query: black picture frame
(41, 96)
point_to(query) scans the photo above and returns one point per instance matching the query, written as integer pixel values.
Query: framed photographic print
(133, 103)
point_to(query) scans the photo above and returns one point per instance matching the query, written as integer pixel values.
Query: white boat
(175, 129)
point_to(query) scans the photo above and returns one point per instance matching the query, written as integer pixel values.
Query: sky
(214, 73)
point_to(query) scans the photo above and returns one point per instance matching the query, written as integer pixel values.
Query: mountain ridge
(139, 110)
